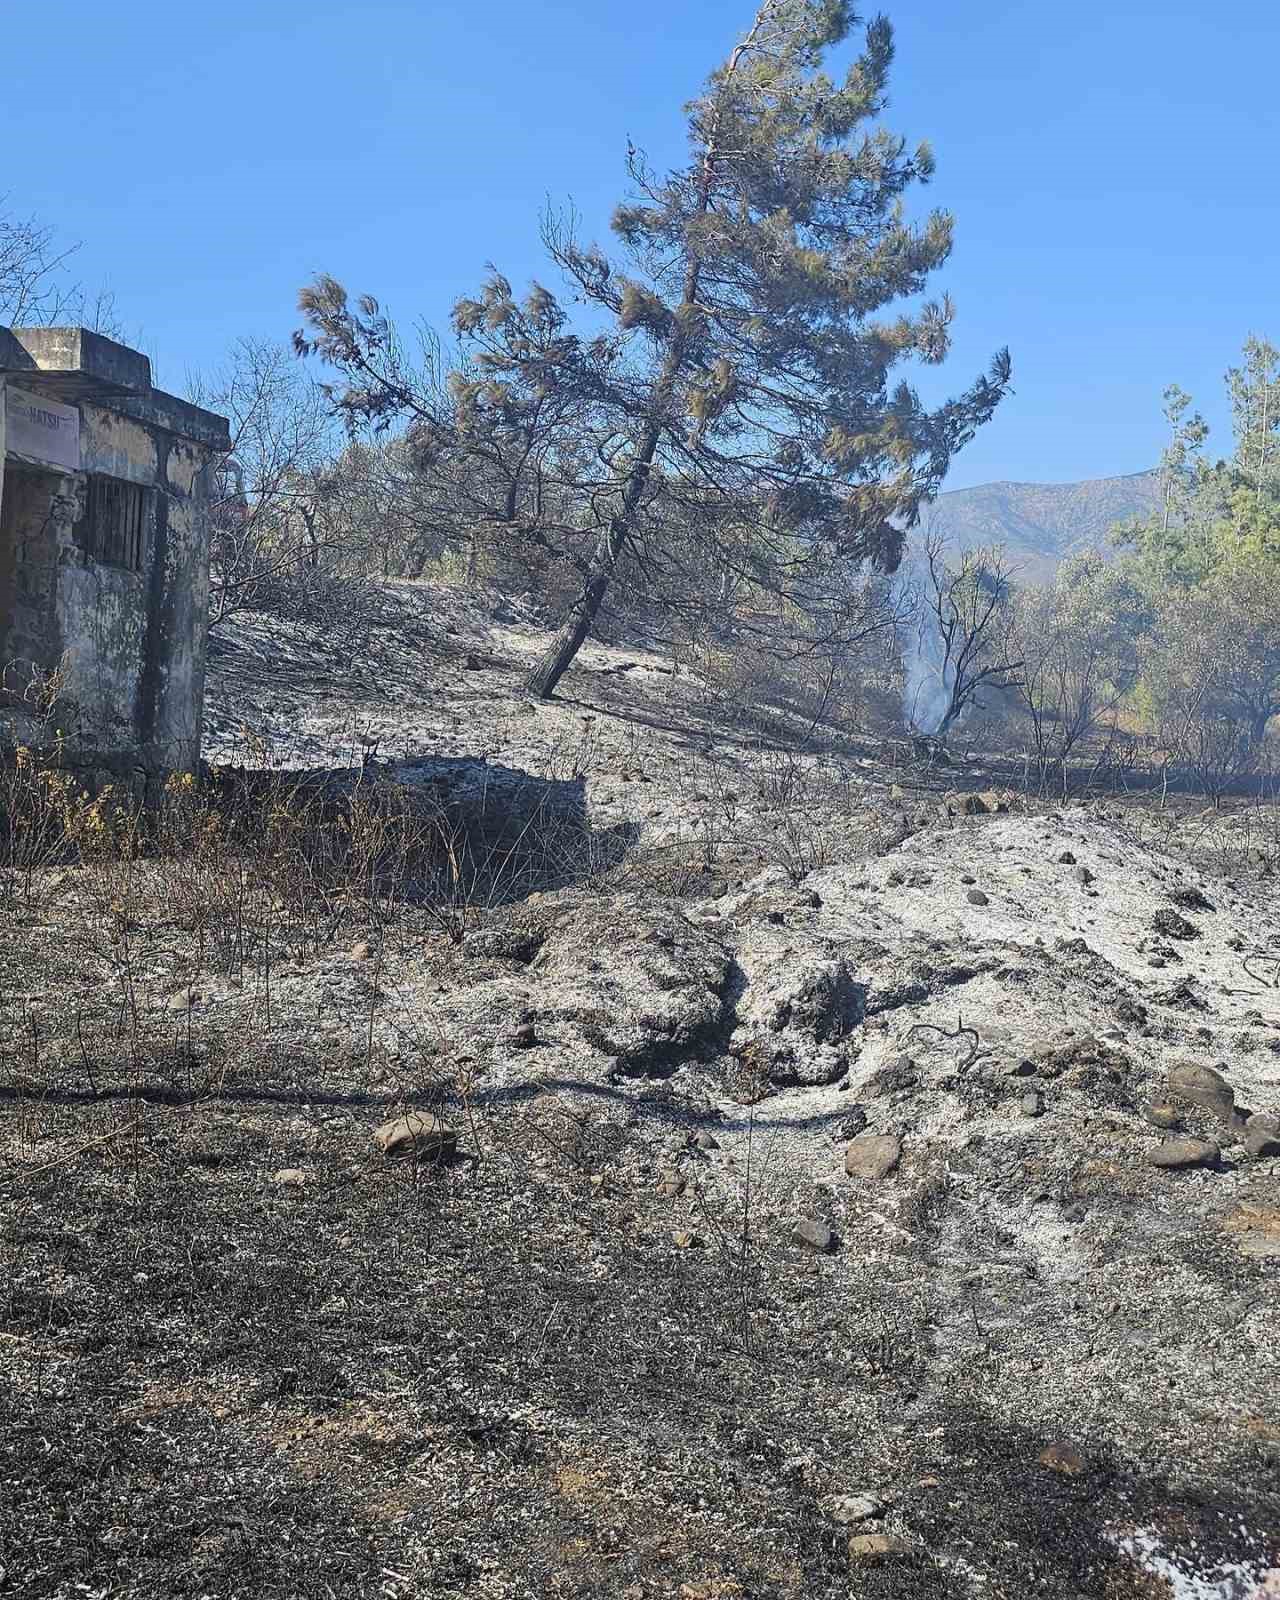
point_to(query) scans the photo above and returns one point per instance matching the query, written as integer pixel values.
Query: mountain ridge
(1041, 524)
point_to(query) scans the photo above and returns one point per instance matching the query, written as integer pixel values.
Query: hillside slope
(1041, 523)
(866, 1184)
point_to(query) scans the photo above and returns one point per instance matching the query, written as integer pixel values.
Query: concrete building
(104, 555)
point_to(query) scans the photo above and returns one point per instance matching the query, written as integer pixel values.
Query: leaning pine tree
(740, 395)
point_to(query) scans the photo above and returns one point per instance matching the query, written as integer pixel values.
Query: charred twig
(74, 1155)
(1270, 983)
(1267, 985)
(976, 1052)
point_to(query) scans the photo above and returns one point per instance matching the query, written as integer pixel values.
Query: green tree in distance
(1217, 514)
(1212, 660)
(1078, 638)
(742, 386)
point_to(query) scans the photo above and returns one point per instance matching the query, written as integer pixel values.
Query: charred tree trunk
(952, 713)
(558, 657)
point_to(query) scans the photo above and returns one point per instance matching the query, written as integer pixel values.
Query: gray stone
(633, 981)
(671, 1184)
(1199, 1085)
(874, 1156)
(899, 1072)
(1177, 1153)
(289, 1178)
(975, 897)
(1063, 1457)
(1083, 876)
(1160, 1114)
(702, 1140)
(808, 1067)
(878, 1547)
(420, 1135)
(1032, 1103)
(847, 1508)
(813, 1234)
(1262, 1143)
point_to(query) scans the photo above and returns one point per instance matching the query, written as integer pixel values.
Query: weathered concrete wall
(129, 644)
(180, 607)
(102, 609)
(36, 514)
(136, 640)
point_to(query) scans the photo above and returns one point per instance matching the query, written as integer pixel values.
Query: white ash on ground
(790, 1177)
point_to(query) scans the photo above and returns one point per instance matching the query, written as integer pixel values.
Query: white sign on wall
(42, 429)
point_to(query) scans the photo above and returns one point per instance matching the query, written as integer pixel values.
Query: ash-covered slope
(970, 1138)
(867, 1182)
(996, 1060)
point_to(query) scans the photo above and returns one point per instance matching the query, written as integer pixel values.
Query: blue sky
(1112, 167)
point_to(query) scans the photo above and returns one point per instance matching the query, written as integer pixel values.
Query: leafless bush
(1216, 746)
(823, 664)
(964, 641)
(797, 827)
(286, 537)
(347, 605)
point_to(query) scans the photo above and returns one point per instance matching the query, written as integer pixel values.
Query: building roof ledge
(74, 364)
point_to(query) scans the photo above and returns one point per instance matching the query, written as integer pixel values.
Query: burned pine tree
(737, 402)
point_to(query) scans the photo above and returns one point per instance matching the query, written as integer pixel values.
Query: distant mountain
(1041, 523)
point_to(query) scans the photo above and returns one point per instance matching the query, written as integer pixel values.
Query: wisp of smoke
(926, 690)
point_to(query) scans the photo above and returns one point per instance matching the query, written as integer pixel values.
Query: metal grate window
(113, 526)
